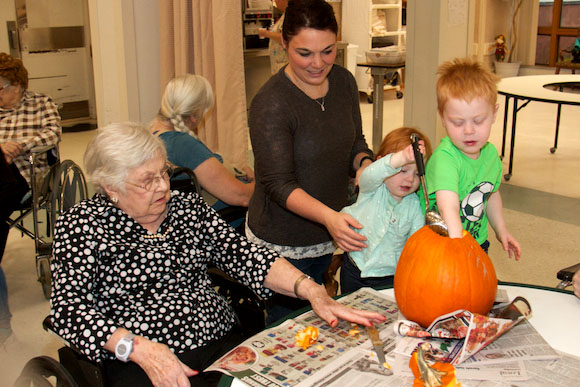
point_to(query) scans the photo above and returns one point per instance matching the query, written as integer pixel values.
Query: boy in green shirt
(464, 172)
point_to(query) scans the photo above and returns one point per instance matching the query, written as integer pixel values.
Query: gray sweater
(297, 145)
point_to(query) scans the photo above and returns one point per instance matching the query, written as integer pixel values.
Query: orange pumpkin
(437, 275)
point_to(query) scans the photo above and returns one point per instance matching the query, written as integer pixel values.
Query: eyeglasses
(153, 183)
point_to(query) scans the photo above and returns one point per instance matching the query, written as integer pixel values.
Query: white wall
(125, 40)
(437, 31)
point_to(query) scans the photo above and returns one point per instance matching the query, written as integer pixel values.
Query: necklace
(156, 236)
(320, 103)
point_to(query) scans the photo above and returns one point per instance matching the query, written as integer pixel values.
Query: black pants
(122, 374)
(351, 280)
(12, 188)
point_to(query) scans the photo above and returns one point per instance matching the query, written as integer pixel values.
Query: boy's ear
(495, 110)
(440, 114)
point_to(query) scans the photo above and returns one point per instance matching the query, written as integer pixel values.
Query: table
(531, 88)
(555, 315)
(378, 72)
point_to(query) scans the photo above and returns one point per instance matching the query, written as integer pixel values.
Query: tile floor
(542, 210)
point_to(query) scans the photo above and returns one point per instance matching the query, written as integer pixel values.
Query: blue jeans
(4, 309)
(279, 305)
(350, 279)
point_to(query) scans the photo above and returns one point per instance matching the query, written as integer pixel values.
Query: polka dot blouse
(106, 275)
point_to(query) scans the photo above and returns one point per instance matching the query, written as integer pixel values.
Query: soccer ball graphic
(473, 204)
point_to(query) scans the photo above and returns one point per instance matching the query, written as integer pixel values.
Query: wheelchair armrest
(47, 324)
(42, 149)
(565, 275)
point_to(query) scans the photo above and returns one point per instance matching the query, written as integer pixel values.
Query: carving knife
(377, 346)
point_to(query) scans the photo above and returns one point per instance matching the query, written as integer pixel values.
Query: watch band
(124, 347)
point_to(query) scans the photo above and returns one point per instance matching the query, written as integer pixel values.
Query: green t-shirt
(473, 180)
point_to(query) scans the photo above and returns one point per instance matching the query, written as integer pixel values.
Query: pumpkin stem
(431, 376)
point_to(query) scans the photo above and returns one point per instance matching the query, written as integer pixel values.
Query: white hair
(115, 150)
(186, 95)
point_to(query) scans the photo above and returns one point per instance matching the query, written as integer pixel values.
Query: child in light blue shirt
(388, 209)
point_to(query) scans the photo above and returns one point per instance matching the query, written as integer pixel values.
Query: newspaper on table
(457, 336)
(272, 358)
(343, 357)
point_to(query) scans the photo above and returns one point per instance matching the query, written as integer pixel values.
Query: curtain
(204, 37)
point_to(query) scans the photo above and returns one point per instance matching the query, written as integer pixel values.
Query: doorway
(52, 38)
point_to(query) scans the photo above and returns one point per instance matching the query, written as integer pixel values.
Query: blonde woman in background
(185, 102)
(278, 55)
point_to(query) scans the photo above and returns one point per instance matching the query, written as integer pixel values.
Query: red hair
(399, 139)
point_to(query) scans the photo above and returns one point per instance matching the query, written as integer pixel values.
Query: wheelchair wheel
(69, 187)
(41, 371)
(44, 275)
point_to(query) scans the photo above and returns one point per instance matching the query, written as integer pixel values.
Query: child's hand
(406, 156)
(511, 245)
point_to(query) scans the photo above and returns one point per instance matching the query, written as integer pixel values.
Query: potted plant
(508, 68)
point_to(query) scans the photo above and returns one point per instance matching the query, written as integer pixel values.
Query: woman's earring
(115, 200)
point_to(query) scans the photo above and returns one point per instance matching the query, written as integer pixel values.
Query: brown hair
(399, 139)
(315, 14)
(466, 79)
(13, 70)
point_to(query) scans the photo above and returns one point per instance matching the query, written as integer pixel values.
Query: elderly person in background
(27, 120)
(186, 100)
(130, 286)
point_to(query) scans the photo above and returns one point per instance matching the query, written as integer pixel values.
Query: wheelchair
(74, 369)
(56, 191)
(565, 276)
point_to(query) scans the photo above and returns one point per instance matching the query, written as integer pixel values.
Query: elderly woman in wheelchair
(130, 282)
(27, 120)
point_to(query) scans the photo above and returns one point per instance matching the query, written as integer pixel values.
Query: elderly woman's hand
(576, 283)
(11, 150)
(160, 364)
(330, 310)
(286, 279)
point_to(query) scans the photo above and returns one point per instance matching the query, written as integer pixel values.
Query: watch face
(122, 349)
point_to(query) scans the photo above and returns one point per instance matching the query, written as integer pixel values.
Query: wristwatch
(124, 347)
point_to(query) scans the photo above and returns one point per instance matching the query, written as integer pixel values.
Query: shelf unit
(358, 29)
(252, 19)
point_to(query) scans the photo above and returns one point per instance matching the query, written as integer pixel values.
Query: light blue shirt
(387, 223)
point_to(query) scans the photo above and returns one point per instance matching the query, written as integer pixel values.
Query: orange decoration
(306, 337)
(431, 375)
(437, 275)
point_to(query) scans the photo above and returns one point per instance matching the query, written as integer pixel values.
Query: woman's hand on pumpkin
(330, 310)
(576, 283)
(339, 226)
(160, 364)
(511, 245)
